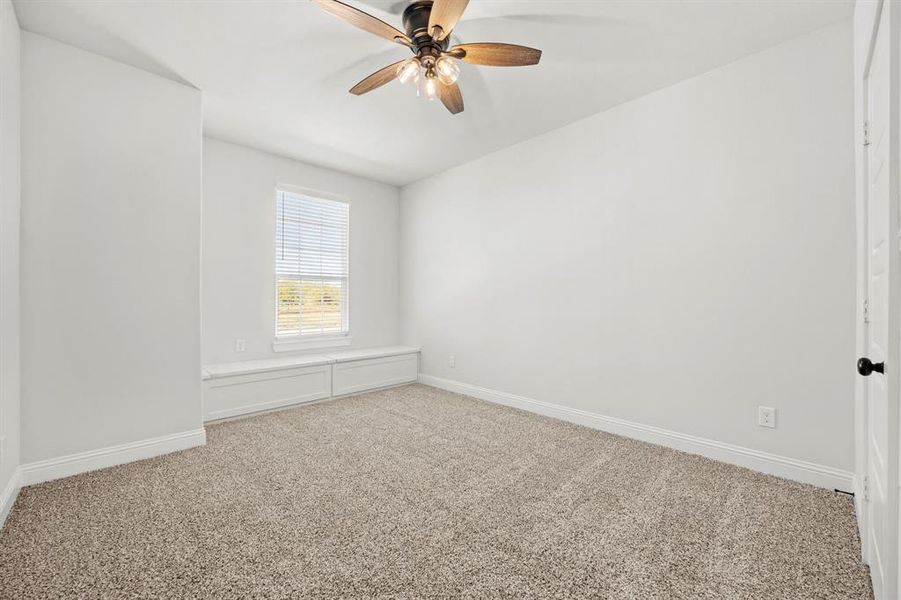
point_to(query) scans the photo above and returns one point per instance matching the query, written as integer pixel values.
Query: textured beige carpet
(418, 493)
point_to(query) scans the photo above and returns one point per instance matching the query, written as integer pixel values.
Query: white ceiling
(275, 73)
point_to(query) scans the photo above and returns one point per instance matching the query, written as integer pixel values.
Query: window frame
(287, 343)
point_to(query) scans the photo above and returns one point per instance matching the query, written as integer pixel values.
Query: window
(311, 266)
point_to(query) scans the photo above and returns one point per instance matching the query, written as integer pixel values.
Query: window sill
(292, 344)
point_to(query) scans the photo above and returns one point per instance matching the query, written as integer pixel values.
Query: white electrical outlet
(240, 345)
(766, 416)
(452, 362)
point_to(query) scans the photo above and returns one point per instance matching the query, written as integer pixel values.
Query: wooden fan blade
(364, 21)
(451, 97)
(496, 55)
(377, 79)
(445, 15)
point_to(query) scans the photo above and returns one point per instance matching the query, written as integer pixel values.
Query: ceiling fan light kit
(434, 69)
(447, 69)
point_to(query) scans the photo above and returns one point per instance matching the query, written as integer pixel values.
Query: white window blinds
(311, 265)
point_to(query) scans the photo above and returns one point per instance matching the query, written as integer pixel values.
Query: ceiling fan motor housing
(416, 23)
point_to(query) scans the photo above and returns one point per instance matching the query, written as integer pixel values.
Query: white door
(882, 322)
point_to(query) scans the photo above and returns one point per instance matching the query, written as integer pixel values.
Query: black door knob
(865, 366)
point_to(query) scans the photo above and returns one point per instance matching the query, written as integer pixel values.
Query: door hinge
(865, 485)
(866, 311)
(866, 133)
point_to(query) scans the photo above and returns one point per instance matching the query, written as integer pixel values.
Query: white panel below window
(360, 375)
(243, 394)
(240, 388)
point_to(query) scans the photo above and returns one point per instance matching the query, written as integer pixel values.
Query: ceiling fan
(434, 68)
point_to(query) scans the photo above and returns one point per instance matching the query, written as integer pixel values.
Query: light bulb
(408, 71)
(428, 86)
(448, 70)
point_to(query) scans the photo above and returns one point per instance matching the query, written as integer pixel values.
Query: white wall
(239, 250)
(111, 198)
(9, 244)
(675, 261)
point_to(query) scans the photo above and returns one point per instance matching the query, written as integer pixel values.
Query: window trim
(310, 342)
(287, 343)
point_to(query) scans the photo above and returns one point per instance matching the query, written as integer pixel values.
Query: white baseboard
(764, 462)
(256, 412)
(73, 464)
(259, 408)
(8, 496)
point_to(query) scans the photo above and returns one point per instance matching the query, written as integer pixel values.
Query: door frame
(868, 15)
